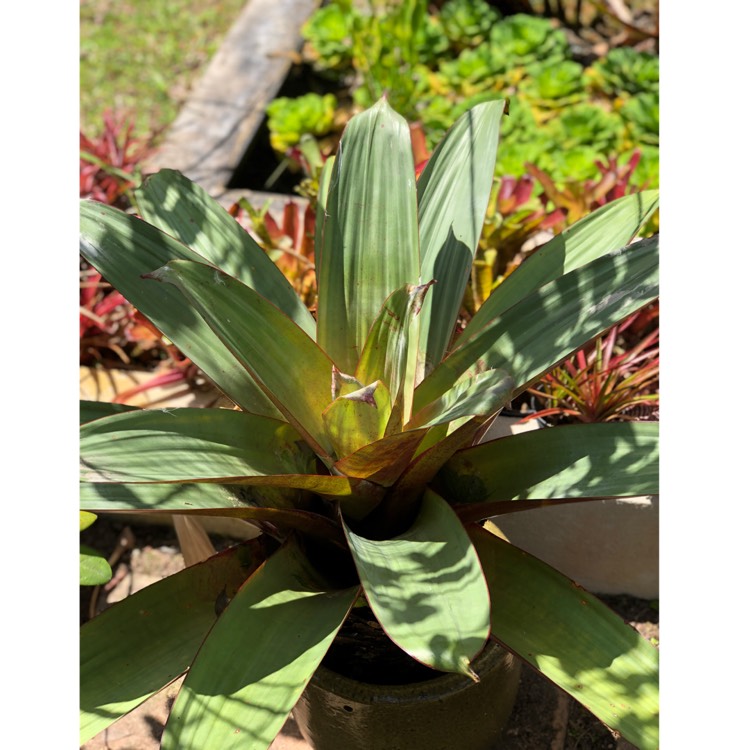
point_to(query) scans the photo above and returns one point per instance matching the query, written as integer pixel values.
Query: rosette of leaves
(354, 444)
(587, 124)
(467, 23)
(555, 86)
(291, 118)
(328, 37)
(530, 41)
(641, 116)
(625, 70)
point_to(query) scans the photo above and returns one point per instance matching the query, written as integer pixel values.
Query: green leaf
(123, 248)
(324, 182)
(427, 589)
(258, 657)
(234, 501)
(452, 193)
(478, 395)
(385, 352)
(384, 460)
(184, 444)
(573, 639)
(582, 460)
(137, 646)
(180, 207)
(287, 364)
(86, 519)
(553, 321)
(89, 410)
(358, 419)
(370, 243)
(94, 568)
(607, 229)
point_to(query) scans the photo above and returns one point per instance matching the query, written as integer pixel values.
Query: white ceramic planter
(607, 546)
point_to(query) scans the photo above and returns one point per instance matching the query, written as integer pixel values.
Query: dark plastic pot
(449, 712)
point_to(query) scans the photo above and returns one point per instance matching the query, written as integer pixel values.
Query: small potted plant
(354, 446)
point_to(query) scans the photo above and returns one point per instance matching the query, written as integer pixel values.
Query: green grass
(142, 56)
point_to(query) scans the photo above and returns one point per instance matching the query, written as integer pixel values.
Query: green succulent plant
(355, 445)
(291, 118)
(625, 70)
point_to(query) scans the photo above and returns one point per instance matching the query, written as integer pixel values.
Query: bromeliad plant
(355, 444)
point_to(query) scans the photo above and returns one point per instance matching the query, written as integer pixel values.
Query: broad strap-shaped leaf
(287, 364)
(183, 444)
(370, 243)
(452, 194)
(258, 657)
(182, 208)
(386, 349)
(480, 395)
(553, 321)
(233, 501)
(358, 418)
(232, 495)
(602, 232)
(90, 410)
(324, 183)
(123, 248)
(569, 461)
(427, 589)
(573, 639)
(137, 646)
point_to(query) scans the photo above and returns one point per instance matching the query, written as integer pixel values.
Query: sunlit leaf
(427, 589)
(358, 419)
(573, 639)
(452, 193)
(603, 231)
(258, 657)
(285, 362)
(183, 444)
(182, 208)
(577, 307)
(163, 625)
(582, 460)
(123, 248)
(370, 243)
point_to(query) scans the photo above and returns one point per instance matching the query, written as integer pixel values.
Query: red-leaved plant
(615, 378)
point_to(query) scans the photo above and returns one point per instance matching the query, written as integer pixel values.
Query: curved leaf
(568, 461)
(385, 353)
(94, 568)
(258, 657)
(370, 242)
(547, 325)
(180, 207)
(427, 589)
(89, 410)
(452, 194)
(155, 445)
(291, 369)
(573, 639)
(358, 419)
(163, 625)
(607, 229)
(123, 248)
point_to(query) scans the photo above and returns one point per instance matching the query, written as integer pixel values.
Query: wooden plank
(216, 125)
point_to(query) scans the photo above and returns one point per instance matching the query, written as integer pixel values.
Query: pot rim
(492, 656)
